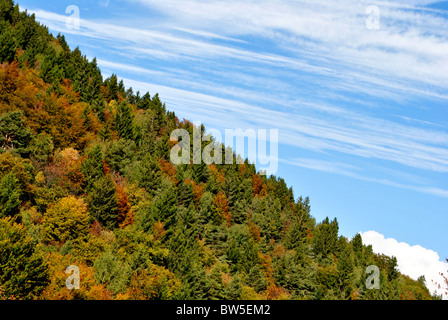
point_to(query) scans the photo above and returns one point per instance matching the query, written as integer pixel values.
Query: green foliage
(112, 271)
(14, 135)
(41, 148)
(8, 45)
(23, 272)
(92, 167)
(9, 196)
(125, 122)
(103, 202)
(325, 239)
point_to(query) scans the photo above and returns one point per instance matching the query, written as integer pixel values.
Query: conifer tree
(125, 121)
(103, 202)
(9, 195)
(13, 133)
(23, 272)
(92, 167)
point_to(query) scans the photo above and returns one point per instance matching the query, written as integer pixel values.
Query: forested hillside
(86, 180)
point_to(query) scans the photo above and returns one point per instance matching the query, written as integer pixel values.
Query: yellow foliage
(65, 220)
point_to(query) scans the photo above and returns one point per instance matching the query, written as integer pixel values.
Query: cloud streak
(317, 76)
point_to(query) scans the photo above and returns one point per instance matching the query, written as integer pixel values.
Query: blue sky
(362, 112)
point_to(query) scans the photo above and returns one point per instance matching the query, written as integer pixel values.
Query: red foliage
(95, 228)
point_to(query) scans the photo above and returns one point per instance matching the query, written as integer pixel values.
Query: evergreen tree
(23, 272)
(216, 285)
(103, 202)
(9, 195)
(147, 174)
(125, 121)
(8, 46)
(235, 289)
(92, 167)
(325, 239)
(13, 133)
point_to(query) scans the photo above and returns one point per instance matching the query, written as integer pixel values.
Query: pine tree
(257, 279)
(103, 202)
(8, 46)
(185, 194)
(125, 122)
(92, 167)
(235, 288)
(216, 285)
(9, 195)
(147, 174)
(23, 272)
(325, 239)
(13, 133)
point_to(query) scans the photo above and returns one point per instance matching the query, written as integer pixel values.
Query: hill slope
(86, 180)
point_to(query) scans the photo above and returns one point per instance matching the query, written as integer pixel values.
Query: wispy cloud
(317, 77)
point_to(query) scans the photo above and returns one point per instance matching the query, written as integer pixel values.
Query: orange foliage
(60, 115)
(213, 169)
(259, 186)
(278, 251)
(155, 282)
(217, 175)
(276, 293)
(57, 290)
(198, 191)
(168, 169)
(158, 230)
(125, 213)
(95, 228)
(222, 207)
(18, 88)
(266, 266)
(254, 231)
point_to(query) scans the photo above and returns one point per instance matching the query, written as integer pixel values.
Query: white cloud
(324, 46)
(413, 261)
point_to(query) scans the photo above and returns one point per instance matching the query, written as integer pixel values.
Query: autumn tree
(67, 219)
(125, 214)
(221, 206)
(153, 283)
